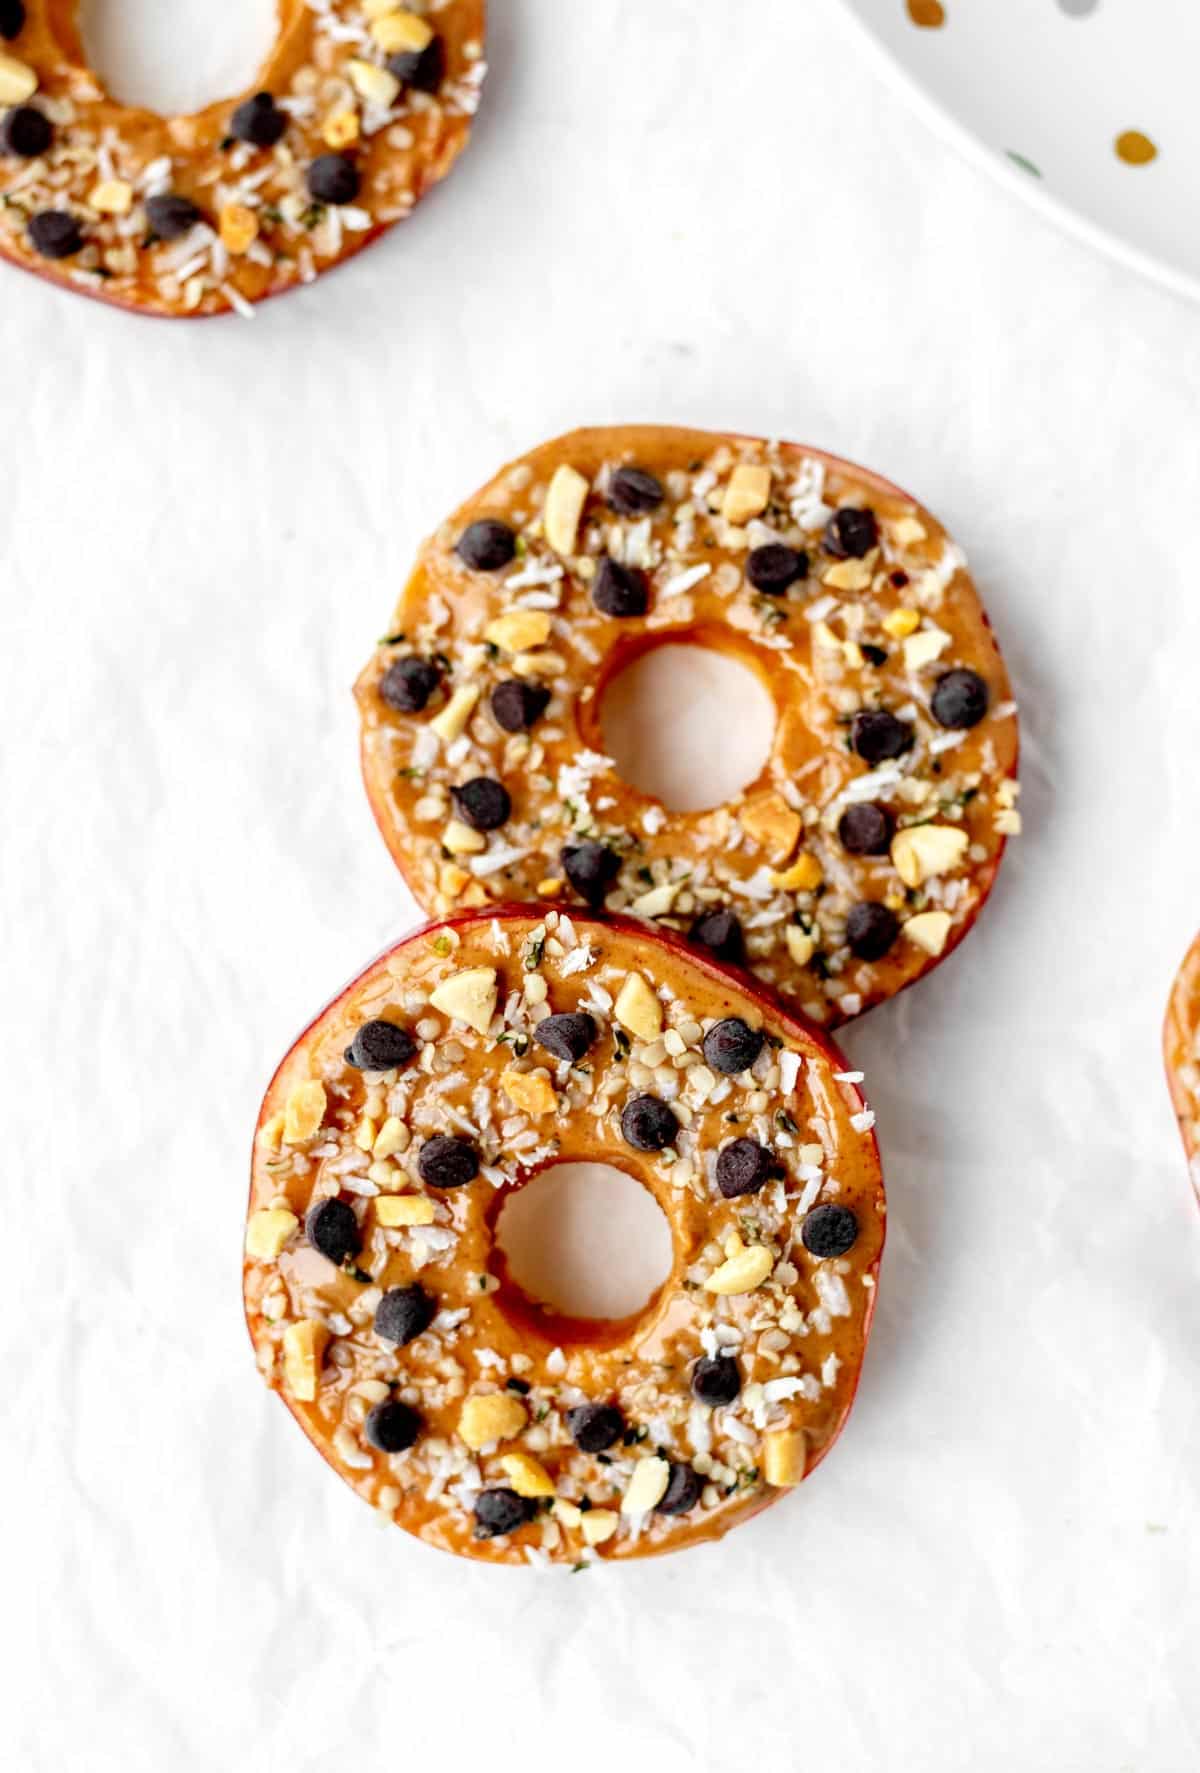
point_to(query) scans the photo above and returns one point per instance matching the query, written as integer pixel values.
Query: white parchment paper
(675, 212)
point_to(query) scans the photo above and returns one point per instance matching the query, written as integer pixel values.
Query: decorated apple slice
(1181, 1050)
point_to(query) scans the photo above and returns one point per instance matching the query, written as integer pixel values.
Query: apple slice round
(1181, 1051)
(479, 1053)
(863, 851)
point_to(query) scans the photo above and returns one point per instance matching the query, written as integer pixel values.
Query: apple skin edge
(987, 879)
(1179, 1029)
(716, 971)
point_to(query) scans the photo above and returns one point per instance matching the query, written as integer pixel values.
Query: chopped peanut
(772, 824)
(748, 492)
(396, 31)
(237, 226)
(392, 1210)
(638, 1009)
(804, 875)
(565, 499)
(919, 852)
(647, 1486)
(493, 1416)
(303, 1346)
(267, 1231)
(469, 996)
(518, 630)
(783, 1457)
(742, 1272)
(530, 1091)
(527, 1475)
(458, 710)
(304, 1112)
(929, 930)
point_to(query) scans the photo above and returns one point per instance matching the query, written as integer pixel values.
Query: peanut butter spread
(471, 1057)
(865, 849)
(360, 106)
(1181, 1047)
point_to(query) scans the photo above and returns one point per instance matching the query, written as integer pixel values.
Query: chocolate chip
(501, 1511)
(716, 1380)
(446, 1162)
(619, 590)
(683, 1489)
(392, 1427)
(422, 68)
(171, 216)
(482, 803)
(632, 492)
(595, 1427)
(55, 234)
(960, 698)
(25, 132)
(404, 1313)
(774, 566)
(871, 929)
(408, 684)
(720, 932)
(744, 1166)
(517, 706)
(877, 735)
(258, 121)
(648, 1124)
(332, 178)
(851, 532)
(829, 1230)
(486, 545)
(591, 869)
(566, 1036)
(731, 1046)
(380, 1046)
(12, 19)
(865, 828)
(331, 1227)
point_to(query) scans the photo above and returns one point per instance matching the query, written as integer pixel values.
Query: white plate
(1088, 107)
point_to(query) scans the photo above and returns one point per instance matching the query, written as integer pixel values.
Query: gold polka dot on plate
(1134, 148)
(927, 13)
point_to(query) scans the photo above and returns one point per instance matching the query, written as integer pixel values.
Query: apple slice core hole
(174, 59)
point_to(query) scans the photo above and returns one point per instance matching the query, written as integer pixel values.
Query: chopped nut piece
(549, 889)
(638, 1009)
(373, 84)
(530, 1091)
(267, 1231)
(111, 197)
(340, 129)
(364, 1134)
(899, 622)
(658, 901)
(804, 875)
(458, 710)
(747, 493)
(304, 1112)
(772, 824)
(393, 1210)
(907, 530)
(237, 226)
(848, 575)
(567, 1513)
(742, 1272)
(395, 31)
(599, 1524)
(462, 840)
(271, 1131)
(469, 996)
(518, 630)
(784, 1457)
(452, 879)
(303, 1347)
(17, 81)
(535, 664)
(647, 1486)
(391, 1138)
(800, 945)
(923, 648)
(929, 930)
(921, 851)
(495, 1416)
(527, 1475)
(565, 499)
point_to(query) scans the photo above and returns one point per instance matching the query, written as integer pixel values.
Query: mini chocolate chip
(829, 1230)
(720, 931)
(865, 828)
(380, 1046)
(392, 1427)
(501, 1511)
(716, 1380)
(332, 1228)
(446, 1162)
(731, 1046)
(333, 178)
(744, 1166)
(55, 234)
(408, 684)
(486, 545)
(567, 1036)
(648, 1124)
(871, 929)
(683, 1489)
(874, 655)
(171, 216)
(851, 532)
(482, 803)
(632, 492)
(404, 1313)
(522, 1387)
(591, 869)
(960, 698)
(517, 706)
(12, 19)
(877, 735)
(595, 1427)
(619, 590)
(775, 566)
(259, 121)
(25, 132)
(422, 68)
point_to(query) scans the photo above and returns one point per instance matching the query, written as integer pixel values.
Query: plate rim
(938, 115)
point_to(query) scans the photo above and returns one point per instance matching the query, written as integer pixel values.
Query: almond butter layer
(865, 849)
(360, 106)
(468, 1059)
(1181, 1050)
